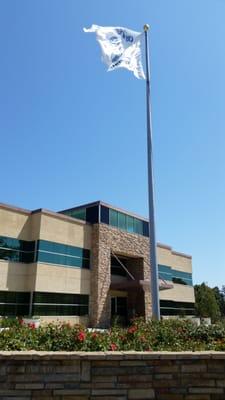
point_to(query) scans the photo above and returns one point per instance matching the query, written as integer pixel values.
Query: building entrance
(119, 309)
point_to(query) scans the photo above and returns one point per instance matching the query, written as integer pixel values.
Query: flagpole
(152, 236)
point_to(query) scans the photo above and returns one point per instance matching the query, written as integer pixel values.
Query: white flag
(121, 48)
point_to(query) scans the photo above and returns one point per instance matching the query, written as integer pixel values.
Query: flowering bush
(170, 335)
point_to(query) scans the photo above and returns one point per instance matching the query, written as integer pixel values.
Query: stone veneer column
(106, 239)
(100, 307)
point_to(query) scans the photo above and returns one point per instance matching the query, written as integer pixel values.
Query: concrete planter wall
(112, 375)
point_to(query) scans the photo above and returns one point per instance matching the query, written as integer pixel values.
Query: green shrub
(166, 335)
(6, 322)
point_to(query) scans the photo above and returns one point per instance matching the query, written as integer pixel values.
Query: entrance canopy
(130, 284)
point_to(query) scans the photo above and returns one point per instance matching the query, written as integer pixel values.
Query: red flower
(132, 329)
(94, 335)
(113, 346)
(81, 336)
(31, 325)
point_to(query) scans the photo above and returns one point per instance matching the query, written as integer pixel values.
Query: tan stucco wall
(51, 278)
(35, 225)
(14, 224)
(70, 232)
(183, 293)
(167, 257)
(13, 276)
(43, 277)
(178, 293)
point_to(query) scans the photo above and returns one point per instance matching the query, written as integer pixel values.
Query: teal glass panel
(10, 243)
(113, 218)
(60, 259)
(16, 256)
(79, 214)
(138, 226)
(164, 276)
(16, 244)
(122, 221)
(165, 272)
(184, 276)
(165, 268)
(130, 224)
(65, 249)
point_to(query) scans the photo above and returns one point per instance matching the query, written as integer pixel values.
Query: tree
(220, 299)
(206, 303)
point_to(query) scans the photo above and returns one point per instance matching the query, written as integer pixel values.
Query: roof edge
(132, 214)
(10, 207)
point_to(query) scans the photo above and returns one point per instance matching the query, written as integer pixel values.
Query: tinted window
(92, 214)
(104, 215)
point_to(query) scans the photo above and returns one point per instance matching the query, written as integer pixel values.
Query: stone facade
(107, 240)
(111, 376)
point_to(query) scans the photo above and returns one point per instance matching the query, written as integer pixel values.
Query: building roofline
(44, 211)
(176, 253)
(14, 208)
(100, 202)
(65, 217)
(59, 216)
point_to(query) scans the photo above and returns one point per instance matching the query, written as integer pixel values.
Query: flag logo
(121, 48)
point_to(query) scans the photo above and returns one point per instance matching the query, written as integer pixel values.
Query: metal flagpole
(152, 237)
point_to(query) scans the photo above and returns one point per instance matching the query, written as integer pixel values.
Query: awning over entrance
(130, 284)
(164, 285)
(138, 284)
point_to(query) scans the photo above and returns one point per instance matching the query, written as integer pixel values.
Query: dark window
(116, 268)
(104, 215)
(169, 307)
(92, 214)
(179, 280)
(119, 306)
(60, 304)
(145, 228)
(16, 250)
(14, 303)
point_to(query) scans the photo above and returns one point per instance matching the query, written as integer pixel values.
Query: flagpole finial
(146, 27)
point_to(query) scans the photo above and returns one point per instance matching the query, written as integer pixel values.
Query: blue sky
(72, 133)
